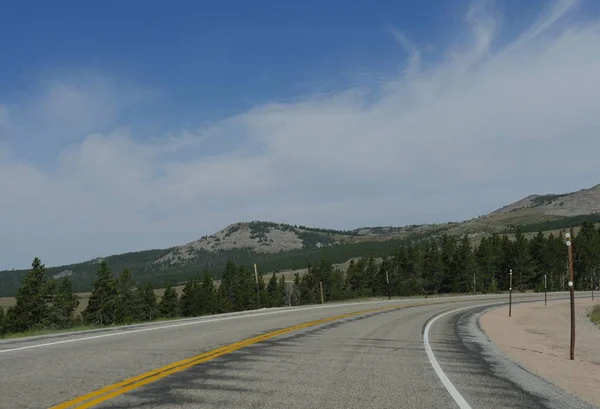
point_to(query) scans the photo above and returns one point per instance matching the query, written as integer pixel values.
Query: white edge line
(458, 398)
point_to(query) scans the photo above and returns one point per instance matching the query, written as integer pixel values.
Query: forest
(428, 267)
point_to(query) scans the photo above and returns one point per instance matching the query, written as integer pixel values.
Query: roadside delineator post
(545, 291)
(322, 297)
(510, 295)
(387, 280)
(572, 294)
(257, 287)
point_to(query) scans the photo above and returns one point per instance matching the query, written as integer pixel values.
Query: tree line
(433, 266)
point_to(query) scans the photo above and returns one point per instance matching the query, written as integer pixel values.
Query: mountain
(278, 246)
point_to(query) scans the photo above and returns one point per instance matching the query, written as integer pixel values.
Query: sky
(134, 125)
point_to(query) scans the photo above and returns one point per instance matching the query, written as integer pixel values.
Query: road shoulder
(537, 338)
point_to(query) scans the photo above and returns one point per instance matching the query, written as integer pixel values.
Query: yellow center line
(108, 392)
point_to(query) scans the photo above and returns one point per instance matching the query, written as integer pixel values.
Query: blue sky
(133, 125)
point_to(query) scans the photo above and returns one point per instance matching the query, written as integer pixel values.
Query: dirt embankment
(538, 338)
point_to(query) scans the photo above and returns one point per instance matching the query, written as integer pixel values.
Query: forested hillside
(278, 246)
(434, 266)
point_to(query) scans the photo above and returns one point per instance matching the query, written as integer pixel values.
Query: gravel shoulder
(537, 337)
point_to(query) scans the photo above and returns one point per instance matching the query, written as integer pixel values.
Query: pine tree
(273, 293)
(586, 257)
(145, 300)
(537, 252)
(244, 291)
(448, 254)
(187, 302)
(3, 323)
(336, 285)
(282, 291)
(227, 288)
(521, 263)
(208, 295)
(355, 278)
(103, 300)
(369, 277)
(432, 268)
(296, 297)
(34, 298)
(125, 302)
(464, 267)
(264, 296)
(169, 303)
(64, 304)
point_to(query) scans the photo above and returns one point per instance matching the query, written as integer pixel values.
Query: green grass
(594, 314)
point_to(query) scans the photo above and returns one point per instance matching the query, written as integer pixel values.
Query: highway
(410, 353)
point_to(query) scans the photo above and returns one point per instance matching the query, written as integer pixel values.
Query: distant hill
(278, 246)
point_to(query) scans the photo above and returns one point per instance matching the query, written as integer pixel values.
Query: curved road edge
(486, 376)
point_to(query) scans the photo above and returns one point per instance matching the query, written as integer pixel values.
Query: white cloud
(445, 140)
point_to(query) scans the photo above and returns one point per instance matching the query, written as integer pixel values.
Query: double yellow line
(111, 391)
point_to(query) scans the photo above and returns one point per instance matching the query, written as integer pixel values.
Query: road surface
(414, 353)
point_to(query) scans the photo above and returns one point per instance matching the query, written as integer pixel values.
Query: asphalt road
(373, 360)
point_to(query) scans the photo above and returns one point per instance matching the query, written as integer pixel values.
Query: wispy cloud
(445, 139)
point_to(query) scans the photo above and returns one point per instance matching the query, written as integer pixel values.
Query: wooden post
(572, 294)
(322, 297)
(510, 295)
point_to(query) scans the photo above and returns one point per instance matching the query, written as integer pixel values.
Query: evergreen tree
(521, 263)
(448, 254)
(102, 304)
(464, 267)
(336, 286)
(146, 305)
(282, 291)
(245, 297)
(273, 293)
(3, 323)
(296, 296)
(187, 303)
(264, 296)
(356, 278)
(539, 264)
(34, 298)
(369, 277)
(432, 268)
(586, 255)
(64, 304)
(226, 292)
(125, 301)
(379, 283)
(169, 303)
(208, 296)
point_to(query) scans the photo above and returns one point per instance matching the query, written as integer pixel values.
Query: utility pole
(572, 294)
(322, 297)
(592, 285)
(510, 295)
(387, 280)
(474, 285)
(257, 287)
